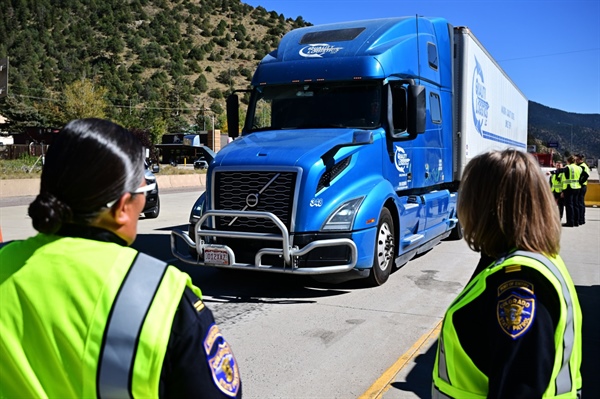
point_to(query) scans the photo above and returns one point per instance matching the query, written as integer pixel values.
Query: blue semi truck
(350, 157)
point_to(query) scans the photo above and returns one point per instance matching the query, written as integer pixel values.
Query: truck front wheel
(383, 258)
(456, 233)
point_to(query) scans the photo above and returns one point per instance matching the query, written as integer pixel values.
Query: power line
(35, 98)
(550, 55)
(163, 108)
(117, 106)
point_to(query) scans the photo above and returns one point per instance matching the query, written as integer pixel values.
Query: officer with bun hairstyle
(84, 315)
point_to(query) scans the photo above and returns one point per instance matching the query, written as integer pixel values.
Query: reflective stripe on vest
(437, 394)
(124, 326)
(442, 372)
(564, 380)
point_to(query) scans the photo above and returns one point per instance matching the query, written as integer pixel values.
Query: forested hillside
(146, 63)
(574, 133)
(166, 66)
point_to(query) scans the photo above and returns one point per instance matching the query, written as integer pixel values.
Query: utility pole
(214, 144)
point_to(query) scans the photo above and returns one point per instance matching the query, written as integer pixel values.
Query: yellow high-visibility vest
(558, 183)
(574, 174)
(83, 318)
(584, 166)
(456, 376)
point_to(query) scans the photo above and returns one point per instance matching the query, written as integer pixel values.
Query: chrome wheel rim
(385, 246)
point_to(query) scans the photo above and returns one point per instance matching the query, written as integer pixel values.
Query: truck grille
(254, 191)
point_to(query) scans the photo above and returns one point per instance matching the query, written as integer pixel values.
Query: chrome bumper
(286, 251)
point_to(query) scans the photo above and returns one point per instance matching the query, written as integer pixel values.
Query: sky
(550, 49)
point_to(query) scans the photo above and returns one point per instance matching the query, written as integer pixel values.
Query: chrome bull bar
(287, 252)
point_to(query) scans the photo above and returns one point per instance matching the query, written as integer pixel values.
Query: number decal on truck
(316, 202)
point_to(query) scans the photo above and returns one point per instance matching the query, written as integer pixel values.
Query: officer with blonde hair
(515, 330)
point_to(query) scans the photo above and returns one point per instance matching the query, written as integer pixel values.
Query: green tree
(216, 107)
(201, 84)
(158, 129)
(83, 99)
(215, 93)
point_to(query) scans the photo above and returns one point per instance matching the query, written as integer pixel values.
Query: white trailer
(490, 110)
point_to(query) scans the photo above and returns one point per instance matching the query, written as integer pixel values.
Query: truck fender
(382, 194)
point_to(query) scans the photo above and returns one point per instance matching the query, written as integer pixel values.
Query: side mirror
(407, 109)
(155, 168)
(233, 116)
(417, 109)
(397, 113)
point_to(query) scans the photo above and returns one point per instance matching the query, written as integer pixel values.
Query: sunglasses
(144, 189)
(140, 190)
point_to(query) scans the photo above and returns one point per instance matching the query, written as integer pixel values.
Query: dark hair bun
(48, 213)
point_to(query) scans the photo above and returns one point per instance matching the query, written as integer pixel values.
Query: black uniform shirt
(199, 362)
(517, 367)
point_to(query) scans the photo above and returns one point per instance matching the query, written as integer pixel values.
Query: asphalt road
(298, 338)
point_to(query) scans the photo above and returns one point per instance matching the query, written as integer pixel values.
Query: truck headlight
(343, 217)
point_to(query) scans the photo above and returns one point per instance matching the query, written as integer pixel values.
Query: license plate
(216, 256)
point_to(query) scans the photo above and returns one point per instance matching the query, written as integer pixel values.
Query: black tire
(384, 251)
(154, 214)
(457, 233)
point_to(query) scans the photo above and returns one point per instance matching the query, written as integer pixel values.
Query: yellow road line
(383, 383)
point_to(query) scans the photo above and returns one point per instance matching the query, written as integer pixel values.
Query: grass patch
(31, 168)
(179, 170)
(27, 167)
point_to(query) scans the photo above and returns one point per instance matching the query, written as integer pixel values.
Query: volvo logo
(252, 200)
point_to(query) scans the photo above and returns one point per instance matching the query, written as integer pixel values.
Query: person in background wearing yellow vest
(571, 173)
(515, 330)
(585, 174)
(82, 314)
(557, 184)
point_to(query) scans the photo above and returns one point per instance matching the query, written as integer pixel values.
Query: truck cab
(345, 158)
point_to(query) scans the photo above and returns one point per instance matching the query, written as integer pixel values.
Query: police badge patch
(225, 370)
(222, 363)
(515, 309)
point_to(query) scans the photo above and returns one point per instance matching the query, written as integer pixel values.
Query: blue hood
(299, 147)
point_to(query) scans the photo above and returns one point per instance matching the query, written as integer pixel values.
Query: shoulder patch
(221, 362)
(515, 308)
(224, 369)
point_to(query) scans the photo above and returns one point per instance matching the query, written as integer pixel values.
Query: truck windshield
(319, 105)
